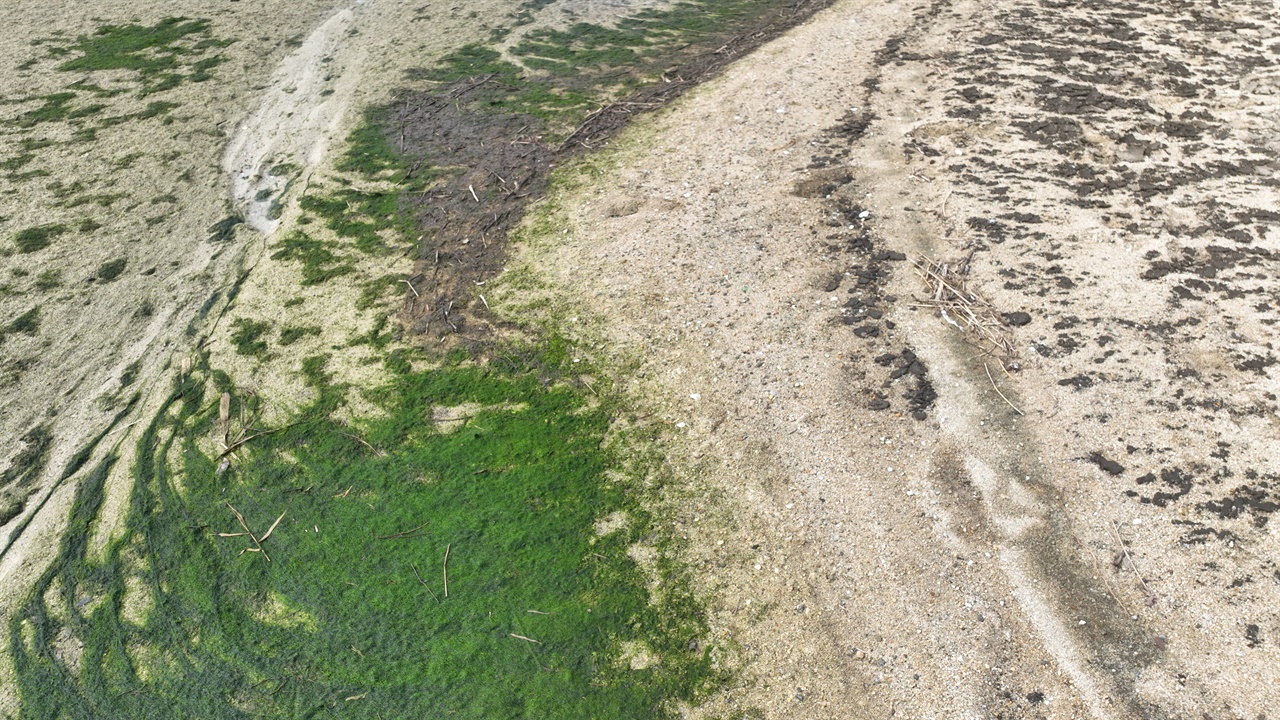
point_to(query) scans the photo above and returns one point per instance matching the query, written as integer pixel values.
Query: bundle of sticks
(966, 310)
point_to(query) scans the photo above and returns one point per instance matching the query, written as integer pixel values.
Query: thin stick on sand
(1151, 596)
(1097, 569)
(997, 389)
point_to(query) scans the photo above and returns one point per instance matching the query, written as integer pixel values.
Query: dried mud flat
(1068, 514)
(1104, 175)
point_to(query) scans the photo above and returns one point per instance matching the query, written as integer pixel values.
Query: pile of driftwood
(982, 325)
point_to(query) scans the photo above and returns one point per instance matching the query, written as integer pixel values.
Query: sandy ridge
(953, 567)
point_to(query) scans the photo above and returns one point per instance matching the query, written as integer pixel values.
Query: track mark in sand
(1014, 511)
(1054, 633)
(292, 126)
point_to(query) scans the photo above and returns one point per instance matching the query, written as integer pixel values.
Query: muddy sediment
(495, 164)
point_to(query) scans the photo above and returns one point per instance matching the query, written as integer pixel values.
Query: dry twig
(405, 534)
(236, 445)
(445, 568)
(271, 529)
(256, 542)
(1151, 596)
(1097, 569)
(997, 389)
(363, 442)
(424, 582)
(965, 309)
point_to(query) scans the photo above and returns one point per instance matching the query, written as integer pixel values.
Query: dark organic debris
(1260, 502)
(1108, 466)
(1079, 382)
(1252, 636)
(1179, 480)
(965, 309)
(490, 156)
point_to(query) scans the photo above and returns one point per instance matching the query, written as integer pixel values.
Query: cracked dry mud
(1108, 170)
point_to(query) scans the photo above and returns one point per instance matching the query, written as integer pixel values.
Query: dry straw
(982, 325)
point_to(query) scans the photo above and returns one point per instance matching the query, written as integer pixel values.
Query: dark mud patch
(495, 167)
(1105, 464)
(494, 132)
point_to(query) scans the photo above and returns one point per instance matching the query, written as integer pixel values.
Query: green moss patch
(351, 617)
(579, 69)
(37, 238)
(143, 60)
(247, 336)
(28, 323)
(49, 279)
(111, 269)
(224, 229)
(291, 335)
(159, 57)
(319, 262)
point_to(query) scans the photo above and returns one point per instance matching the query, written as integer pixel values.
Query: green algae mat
(394, 568)
(478, 540)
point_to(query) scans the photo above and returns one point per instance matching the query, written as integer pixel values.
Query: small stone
(1017, 319)
(1131, 153)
